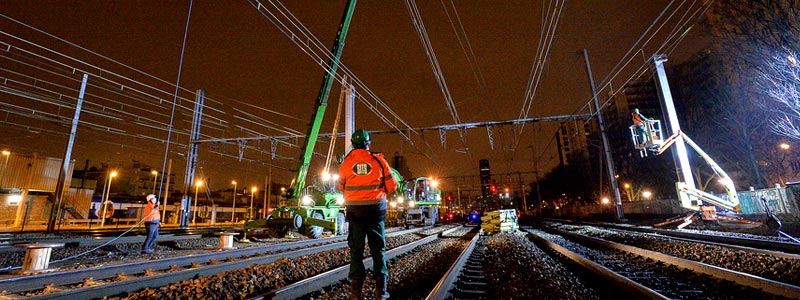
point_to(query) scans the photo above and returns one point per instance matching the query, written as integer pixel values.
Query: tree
(780, 81)
(570, 183)
(745, 31)
(718, 112)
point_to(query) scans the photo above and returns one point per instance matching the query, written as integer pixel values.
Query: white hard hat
(151, 197)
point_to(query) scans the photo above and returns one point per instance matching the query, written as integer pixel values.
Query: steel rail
(72, 277)
(447, 283)
(315, 283)
(772, 245)
(756, 282)
(97, 241)
(636, 289)
(738, 241)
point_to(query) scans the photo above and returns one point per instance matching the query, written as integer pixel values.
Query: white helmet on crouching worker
(152, 198)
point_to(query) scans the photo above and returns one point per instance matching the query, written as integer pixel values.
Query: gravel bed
(776, 268)
(461, 231)
(435, 230)
(411, 276)
(738, 235)
(126, 253)
(668, 280)
(521, 270)
(239, 284)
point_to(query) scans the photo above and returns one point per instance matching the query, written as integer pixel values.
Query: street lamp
(111, 175)
(628, 191)
(7, 154)
(647, 194)
(155, 176)
(252, 196)
(233, 209)
(784, 146)
(197, 186)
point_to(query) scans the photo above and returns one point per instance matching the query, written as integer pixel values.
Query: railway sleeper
(460, 293)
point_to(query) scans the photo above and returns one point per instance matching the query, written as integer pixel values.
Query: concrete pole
(62, 176)
(266, 193)
(233, 208)
(620, 216)
(679, 153)
(269, 190)
(349, 116)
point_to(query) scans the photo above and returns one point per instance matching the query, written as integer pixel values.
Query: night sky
(251, 70)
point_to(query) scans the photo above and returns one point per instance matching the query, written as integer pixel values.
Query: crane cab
(647, 136)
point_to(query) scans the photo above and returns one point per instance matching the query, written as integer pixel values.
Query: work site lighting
(307, 201)
(14, 200)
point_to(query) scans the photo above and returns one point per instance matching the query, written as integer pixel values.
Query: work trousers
(152, 235)
(374, 234)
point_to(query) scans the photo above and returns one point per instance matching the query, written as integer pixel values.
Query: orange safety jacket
(637, 120)
(365, 178)
(151, 213)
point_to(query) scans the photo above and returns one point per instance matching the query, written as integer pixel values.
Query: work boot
(355, 288)
(380, 288)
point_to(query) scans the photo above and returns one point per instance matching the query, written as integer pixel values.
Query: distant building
(574, 138)
(27, 187)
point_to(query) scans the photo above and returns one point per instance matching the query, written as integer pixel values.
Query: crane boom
(685, 190)
(322, 102)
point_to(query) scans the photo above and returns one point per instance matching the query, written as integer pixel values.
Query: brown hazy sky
(234, 53)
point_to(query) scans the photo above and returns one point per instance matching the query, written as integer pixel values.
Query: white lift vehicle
(689, 195)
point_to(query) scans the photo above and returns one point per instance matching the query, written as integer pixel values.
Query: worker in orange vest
(641, 127)
(366, 180)
(152, 220)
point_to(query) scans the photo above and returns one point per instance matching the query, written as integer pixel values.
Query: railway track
(772, 243)
(452, 264)
(666, 275)
(102, 281)
(608, 270)
(92, 238)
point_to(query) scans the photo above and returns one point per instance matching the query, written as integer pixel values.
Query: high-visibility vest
(637, 120)
(151, 213)
(365, 178)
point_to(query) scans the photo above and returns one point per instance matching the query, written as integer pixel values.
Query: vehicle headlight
(340, 201)
(400, 199)
(411, 203)
(393, 204)
(306, 200)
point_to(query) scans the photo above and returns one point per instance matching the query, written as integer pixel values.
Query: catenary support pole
(620, 215)
(679, 153)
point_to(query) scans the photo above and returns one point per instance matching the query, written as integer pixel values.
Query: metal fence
(784, 202)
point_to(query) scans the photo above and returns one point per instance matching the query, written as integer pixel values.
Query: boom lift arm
(686, 192)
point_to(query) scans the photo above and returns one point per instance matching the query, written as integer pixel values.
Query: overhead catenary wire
(122, 88)
(312, 46)
(546, 38)
(419, 25)
(103, 71)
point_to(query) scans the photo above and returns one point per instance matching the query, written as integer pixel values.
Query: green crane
(325, 210)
